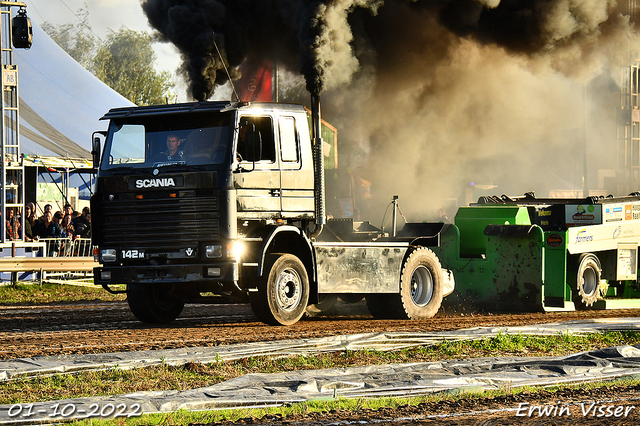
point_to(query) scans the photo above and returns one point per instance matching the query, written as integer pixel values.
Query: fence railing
(54, 259)
(67, 247)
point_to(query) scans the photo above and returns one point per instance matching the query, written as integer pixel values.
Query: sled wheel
(325, 303)
(283, 295)
(587, 281)
(154, 303)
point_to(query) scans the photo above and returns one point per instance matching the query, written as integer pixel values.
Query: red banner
(255, 83)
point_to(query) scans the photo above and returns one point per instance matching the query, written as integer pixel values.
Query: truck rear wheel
(154, 303)
(282, 297)
(587, 281)
(421, 290)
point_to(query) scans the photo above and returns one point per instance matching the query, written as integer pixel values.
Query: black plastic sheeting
(259, 390)
(64, 364)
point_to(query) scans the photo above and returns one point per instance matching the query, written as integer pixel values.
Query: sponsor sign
(617, 232)
(583, 214)
(602, 237)
(46, 193)
(583, 236)
(615, 212)
(555, 240)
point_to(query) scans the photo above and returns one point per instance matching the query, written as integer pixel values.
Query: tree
(78, 40)
(125, 62)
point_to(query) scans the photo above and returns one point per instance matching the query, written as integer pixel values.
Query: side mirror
(253, 141)
(95, 149)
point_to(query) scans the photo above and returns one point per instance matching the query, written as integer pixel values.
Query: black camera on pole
(21, 30)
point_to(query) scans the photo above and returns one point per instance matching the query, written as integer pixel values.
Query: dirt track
(109, 327)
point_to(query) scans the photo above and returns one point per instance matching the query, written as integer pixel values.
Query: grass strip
(190, 376)
(47, 293)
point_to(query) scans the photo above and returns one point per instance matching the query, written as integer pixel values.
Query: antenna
(225, 66)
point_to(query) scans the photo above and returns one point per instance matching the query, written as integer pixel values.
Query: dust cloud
(435, 101)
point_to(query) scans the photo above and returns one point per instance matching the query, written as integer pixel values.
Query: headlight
(214, 251)
(108, 255)
(235, 250)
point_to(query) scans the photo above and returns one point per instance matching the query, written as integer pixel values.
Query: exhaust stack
(319, 187)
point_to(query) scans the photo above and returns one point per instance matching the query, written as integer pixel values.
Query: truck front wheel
(421, 289)
(154, 303)
(283, 295)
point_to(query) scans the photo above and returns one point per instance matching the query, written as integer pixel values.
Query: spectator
(47, 208)
(13, 226)
(57, 218)
(48, 228)
(30, 220)
(82, 224)
(66, 225)
(68, 209)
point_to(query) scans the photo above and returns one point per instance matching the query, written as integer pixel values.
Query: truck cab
(220, 202)
(173, 227)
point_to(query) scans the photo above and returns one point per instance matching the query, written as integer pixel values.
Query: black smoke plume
(326, 40)
(432, 95)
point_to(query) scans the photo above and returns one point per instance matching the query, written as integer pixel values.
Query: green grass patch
(36, 294)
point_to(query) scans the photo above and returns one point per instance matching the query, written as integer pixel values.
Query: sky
(105, 15)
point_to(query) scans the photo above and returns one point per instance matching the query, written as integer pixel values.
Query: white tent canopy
(60, 102)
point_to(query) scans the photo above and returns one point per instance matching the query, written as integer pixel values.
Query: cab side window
(263, 126)
(288, 140)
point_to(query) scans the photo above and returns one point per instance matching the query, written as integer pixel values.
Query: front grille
(159, 222)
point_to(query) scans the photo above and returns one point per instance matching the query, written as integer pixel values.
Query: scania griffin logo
(155, 183)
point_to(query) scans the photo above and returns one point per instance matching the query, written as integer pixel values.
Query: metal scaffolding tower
(628, 128)
(12, 183)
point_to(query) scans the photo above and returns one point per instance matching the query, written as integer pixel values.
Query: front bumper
(213, 273)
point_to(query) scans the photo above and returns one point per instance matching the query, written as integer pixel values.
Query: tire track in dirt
(109, 327)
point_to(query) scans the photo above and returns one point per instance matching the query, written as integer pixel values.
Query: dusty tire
(283, 295)
(377, 304)
(326, 302)
(421, 290)
(588, 276)
(154, 303)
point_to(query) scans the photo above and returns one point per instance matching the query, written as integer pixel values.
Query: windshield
(159, 141)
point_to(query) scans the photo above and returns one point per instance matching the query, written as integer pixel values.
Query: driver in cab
(173, 152)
